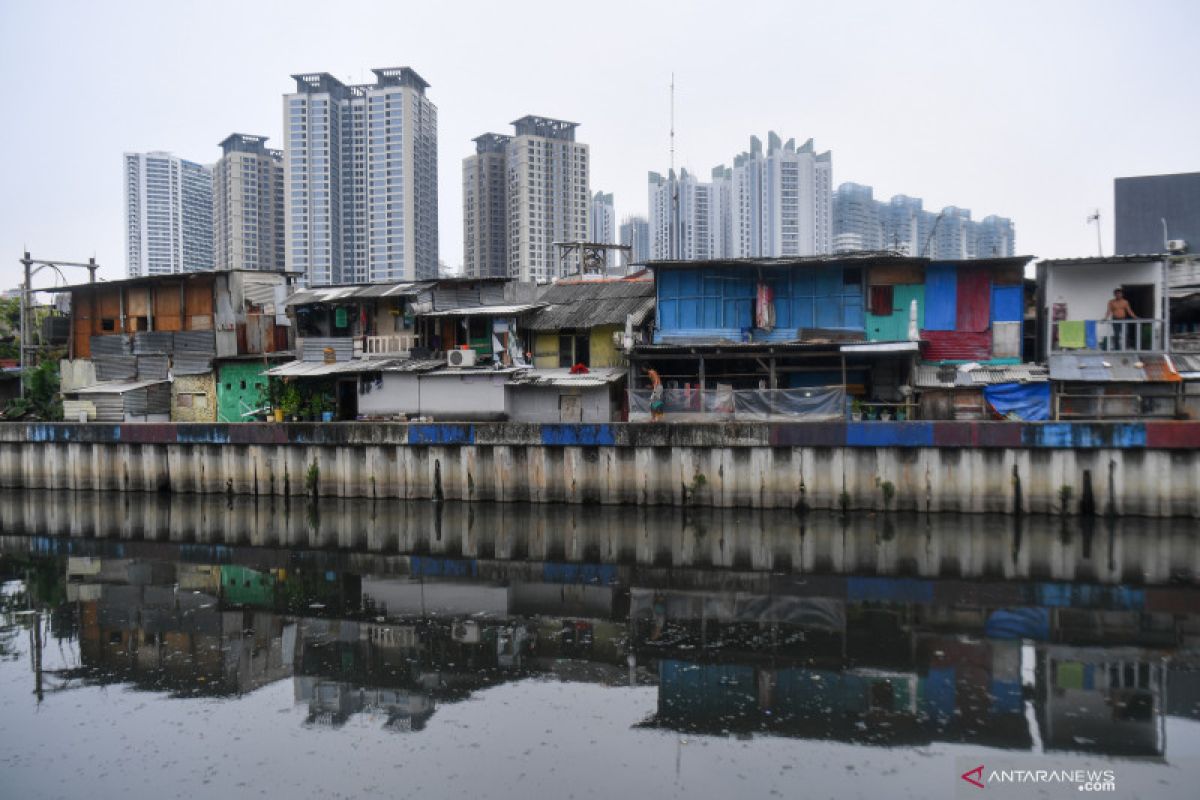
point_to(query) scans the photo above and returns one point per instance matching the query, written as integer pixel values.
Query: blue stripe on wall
(441, 434)
(577, 434)
(890, 434)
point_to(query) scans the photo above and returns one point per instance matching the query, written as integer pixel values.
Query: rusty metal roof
(1114, 368)
(946, 376)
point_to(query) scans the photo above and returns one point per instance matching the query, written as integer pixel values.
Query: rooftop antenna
(1095, 217)
(673, 214)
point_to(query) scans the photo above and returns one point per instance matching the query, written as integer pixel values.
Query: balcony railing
(393, 345)
(1107, 335)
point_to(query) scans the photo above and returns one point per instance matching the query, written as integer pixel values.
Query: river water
(177, 646)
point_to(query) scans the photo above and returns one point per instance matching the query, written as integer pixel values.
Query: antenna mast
(673, 187)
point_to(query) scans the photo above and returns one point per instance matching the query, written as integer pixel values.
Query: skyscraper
(545, 199)
(635, 233)
(688, 219)
(782, 200)
(903, 225)
(248, 205)
(604, 219)
(548, 196)
(485, 208)
(857, 222)
(361, 178)
(168, 215)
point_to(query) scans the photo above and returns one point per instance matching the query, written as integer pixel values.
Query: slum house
(584, 321)
(766, 338)
(1101, 368)
(452, 345)
(971, 318)
(188, 347)
(1185, 336)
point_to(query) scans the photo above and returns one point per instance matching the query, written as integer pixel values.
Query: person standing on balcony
(657, 406)
(1119, 309)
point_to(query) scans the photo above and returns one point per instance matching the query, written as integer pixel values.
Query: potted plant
(856, 410)
(290, 401)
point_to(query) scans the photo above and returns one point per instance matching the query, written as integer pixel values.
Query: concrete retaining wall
(1150, 469)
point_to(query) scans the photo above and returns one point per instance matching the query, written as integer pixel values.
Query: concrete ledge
(1006, 435)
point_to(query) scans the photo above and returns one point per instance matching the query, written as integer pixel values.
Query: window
(881, 301)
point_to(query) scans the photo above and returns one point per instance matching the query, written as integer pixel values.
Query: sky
(1027, 110)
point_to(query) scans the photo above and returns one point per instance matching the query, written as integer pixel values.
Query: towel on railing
(1072, 335)
(1091, 334)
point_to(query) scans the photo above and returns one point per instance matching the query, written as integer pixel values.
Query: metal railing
(1079, 406)
(1107, 335)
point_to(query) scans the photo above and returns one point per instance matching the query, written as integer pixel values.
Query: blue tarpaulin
(941, 298)
(1027, 401)
(1008, 303)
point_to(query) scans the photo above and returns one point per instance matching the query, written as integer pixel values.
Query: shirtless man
(1119, 309)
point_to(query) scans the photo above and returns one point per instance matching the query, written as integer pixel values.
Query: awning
(114, 387)
(882, 347)
(1114, 368)
(564, 378)
(486, 311)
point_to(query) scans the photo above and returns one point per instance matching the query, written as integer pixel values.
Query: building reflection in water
(855, 640)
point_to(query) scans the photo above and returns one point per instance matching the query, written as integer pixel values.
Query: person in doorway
(657, 404)
(1119, 309)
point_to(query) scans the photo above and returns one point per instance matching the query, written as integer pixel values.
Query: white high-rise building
(782, 200)
(485, 208)
(168, 215)
(548, 197)
(604, 219)
(689, 220)
(248, 205)
(360, 167)
(635, 233)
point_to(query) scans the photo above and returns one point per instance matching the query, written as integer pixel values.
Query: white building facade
(549, 199)
(782, 200)
(604, 219)
(168, 215)
(360, 176)
(248, 205)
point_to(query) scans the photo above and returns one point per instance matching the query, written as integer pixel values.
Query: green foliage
(42, 400)
(312, 478)
(290, 400)
(1065, 492)
(889, 491)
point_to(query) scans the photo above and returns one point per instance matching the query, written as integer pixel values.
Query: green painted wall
(241, 385)
(894, 327)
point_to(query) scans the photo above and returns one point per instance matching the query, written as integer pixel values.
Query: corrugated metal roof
(512, 310)
(314, 348)
(1186, 362)
(152, 367)
(413, 365)
(956, 345)
(115, 367)
(1113, 368)
(316, 368)
(110, 345)
(586, 304)
(153, 342)
(862, 258)
(563, 377)
(119, 387)
(1139, 258)
(333, 294)
(945, 376)
(195, 342)
(188, 362)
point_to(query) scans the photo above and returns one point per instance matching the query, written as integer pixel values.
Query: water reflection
(901, 634)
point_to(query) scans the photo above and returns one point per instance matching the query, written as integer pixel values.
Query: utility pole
(31, 267)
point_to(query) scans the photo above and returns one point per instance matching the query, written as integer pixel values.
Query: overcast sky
(1022, 109)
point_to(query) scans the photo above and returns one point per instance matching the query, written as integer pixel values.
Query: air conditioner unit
(461, 358)
(1177, 246)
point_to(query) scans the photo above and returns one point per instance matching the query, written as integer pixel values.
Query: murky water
(202, 647)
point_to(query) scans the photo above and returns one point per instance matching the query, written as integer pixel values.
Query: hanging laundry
(764, 307)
